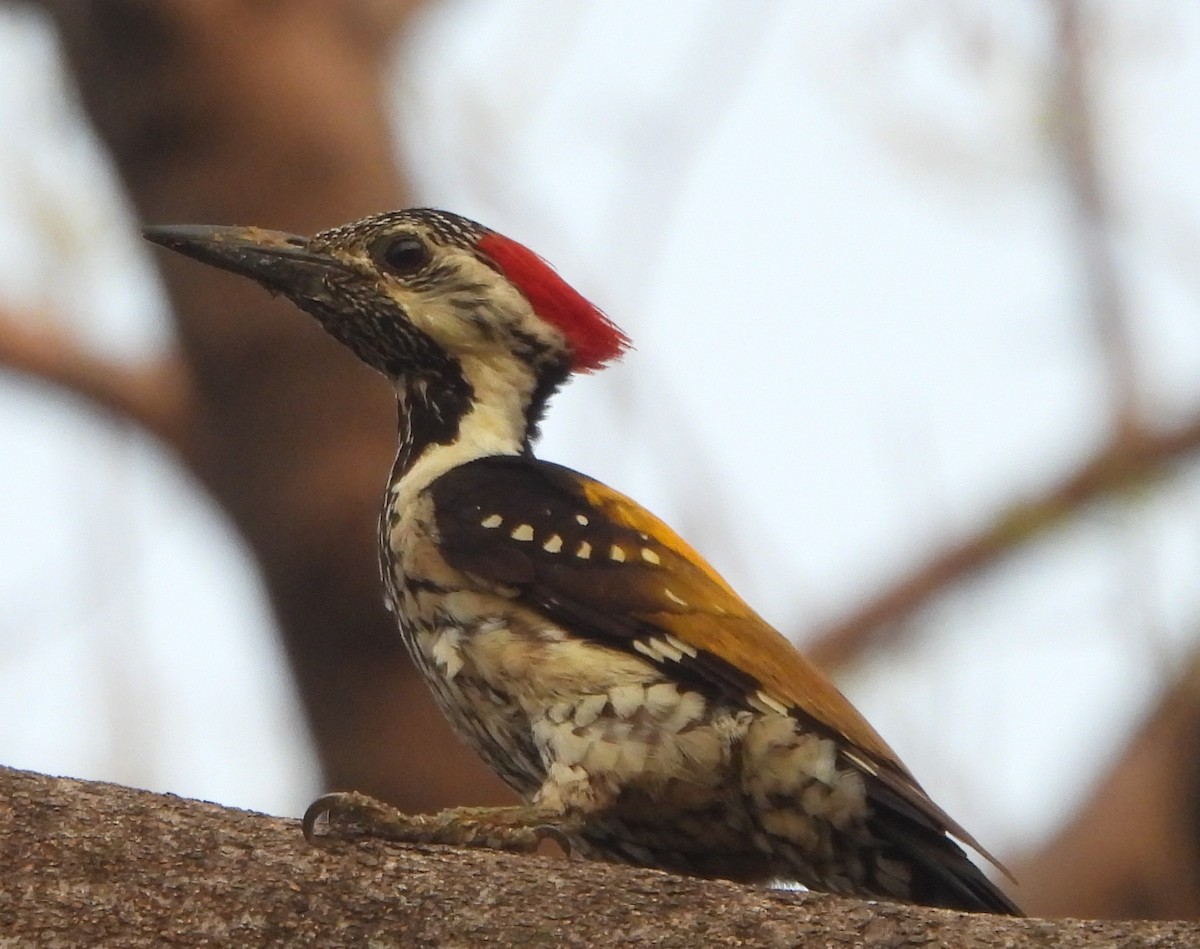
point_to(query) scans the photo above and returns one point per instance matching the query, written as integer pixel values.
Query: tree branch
(1116, 467)
(1132, 459)
(155, 395)
(228, 111)
(90, 863)
(1091, 214)
(1133, 848)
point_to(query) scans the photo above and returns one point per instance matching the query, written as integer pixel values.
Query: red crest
(594, 339)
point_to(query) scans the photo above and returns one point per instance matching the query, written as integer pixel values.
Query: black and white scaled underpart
(642, 711)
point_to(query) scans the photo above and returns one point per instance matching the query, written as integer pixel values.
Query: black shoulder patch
(514, 519)
(517, 521)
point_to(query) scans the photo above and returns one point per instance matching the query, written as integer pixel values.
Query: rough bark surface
(98, 864)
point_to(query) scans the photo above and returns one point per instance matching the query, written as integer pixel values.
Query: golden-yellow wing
(601, 565)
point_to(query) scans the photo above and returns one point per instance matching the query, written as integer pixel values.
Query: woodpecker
(642, 711)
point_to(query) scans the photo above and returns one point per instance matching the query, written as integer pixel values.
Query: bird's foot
(350, 815)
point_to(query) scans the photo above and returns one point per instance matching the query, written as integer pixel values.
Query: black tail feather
(942, 874)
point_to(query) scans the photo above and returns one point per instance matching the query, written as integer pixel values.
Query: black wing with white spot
(602, 566)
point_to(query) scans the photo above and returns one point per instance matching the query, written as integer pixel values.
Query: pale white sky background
(839, 236)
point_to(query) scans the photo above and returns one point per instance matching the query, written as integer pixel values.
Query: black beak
(279, 261)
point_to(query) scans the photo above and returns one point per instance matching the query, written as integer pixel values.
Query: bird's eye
(403, 255)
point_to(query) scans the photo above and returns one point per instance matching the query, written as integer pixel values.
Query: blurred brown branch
(1133, 848)
(1135, 459)
(156, 396)
(1074, 95)
(240, 111)
(1136, 453)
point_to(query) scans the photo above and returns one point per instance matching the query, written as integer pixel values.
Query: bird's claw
(557, 834)
(348, 815)
(342, 814)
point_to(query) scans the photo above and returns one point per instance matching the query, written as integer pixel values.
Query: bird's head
(420, 291)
